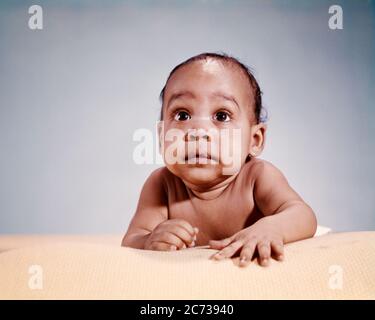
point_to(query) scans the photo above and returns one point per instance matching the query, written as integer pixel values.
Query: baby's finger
(196, 230)
(220, 244)
(181, 233)
(183, 223)
(170, 238)
(228, 251)
(162, 246)
(264, 251)
(247, 253)
(278, 249)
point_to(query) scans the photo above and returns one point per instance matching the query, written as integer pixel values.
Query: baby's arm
(282, 205)
(151, 211)
(150, 227)
(286, 218)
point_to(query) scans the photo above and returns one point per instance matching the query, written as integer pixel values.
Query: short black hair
(259, 111)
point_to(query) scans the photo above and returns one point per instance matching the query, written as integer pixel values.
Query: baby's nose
(197, 134)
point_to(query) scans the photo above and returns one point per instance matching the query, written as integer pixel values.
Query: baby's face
(207, 113)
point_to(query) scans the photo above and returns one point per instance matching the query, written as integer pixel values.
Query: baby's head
(211, 112)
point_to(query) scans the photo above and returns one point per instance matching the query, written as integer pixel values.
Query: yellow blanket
(333, 266)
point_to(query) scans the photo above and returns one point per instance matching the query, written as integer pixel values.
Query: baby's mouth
(201, 158)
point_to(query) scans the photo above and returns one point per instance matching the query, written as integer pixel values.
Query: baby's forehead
(225, 77)
(213, 67)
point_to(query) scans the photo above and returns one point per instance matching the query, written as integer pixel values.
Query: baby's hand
(263, 237)
(172, 234)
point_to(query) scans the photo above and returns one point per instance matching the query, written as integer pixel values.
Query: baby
(231, 201)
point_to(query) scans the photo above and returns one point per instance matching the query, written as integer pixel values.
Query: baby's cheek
(174, 152)
(231, 153)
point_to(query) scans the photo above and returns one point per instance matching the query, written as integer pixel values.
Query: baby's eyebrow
(191, 95)
(226, 97)
(179, 95)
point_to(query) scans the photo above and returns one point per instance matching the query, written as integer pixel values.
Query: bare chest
(218, 218)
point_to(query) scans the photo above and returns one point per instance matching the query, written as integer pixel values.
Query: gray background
(72, 94)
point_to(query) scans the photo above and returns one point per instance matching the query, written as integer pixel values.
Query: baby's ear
(258, 138)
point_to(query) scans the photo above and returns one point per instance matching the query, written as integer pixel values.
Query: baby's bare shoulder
(254, 167)
(162, 177)
(257, 168)
(159, 173)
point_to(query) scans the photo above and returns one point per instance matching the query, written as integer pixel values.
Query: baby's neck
(209, 192)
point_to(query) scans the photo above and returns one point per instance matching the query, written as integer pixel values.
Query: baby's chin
(198, 174)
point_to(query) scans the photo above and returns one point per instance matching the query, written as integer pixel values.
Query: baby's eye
(222, 116)
(182, 116)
